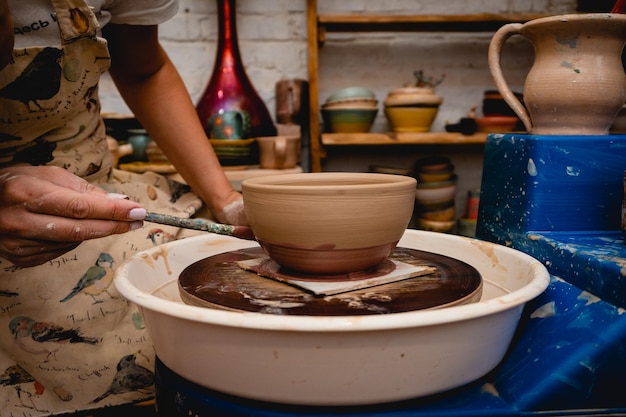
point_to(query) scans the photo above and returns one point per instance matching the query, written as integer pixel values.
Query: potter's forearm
(169, 116)
(154, 91)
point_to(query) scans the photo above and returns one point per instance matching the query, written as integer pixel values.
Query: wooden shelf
(485, 22)
(427, 138)
(319, 25)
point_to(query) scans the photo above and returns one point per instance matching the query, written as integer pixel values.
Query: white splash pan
(345, 360)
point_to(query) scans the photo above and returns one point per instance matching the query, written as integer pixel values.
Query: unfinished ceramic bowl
(332, 361)
(329, 222)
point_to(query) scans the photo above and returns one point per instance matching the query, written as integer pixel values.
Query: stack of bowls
(467, 223)
(498, 116)
(350, 110)
(436, 188)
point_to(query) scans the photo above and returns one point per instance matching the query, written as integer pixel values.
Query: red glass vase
(229, 90)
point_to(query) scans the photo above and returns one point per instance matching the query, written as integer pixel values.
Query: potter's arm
(154, 91)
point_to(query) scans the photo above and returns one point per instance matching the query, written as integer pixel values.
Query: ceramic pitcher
(576, 85)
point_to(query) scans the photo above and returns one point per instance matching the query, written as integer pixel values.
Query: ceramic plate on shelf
(231, 142)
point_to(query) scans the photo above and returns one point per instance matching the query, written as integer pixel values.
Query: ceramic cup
(278, 152)
(231, 124)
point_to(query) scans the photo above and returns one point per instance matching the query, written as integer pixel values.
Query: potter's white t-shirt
(35, 24)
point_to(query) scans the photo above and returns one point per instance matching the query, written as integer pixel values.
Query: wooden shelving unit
(429, 138)
(318, 25)
(485, 22)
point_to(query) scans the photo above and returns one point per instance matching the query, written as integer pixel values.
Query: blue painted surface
(551, 183)
(593, 261)
(559, 199)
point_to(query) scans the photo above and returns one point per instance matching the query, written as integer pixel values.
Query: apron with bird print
(68, 340)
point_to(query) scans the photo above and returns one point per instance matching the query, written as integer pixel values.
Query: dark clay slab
(218, 282)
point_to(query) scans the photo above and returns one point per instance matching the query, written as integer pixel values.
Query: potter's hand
(46, 212)
(7, 34)
(233, 213)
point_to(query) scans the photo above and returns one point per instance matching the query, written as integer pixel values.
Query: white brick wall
(272, 37)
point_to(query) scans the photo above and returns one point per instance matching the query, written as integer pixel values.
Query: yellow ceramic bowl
(435, 176)
(349, 120)
(441, 214)
(436, 226)
(411, 119)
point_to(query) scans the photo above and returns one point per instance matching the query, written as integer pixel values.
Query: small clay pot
(329, 222)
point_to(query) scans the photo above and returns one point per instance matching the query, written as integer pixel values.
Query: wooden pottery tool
(242, 232)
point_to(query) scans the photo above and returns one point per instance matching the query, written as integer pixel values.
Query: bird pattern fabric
(68, 340)
(65, 324)
(36, 92)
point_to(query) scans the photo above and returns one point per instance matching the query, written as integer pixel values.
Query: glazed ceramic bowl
(496, 124)
(440, 226)
(236, 151)
(435, 175)
(411, 119)
(435, 195)
(357, 120)
(350, 93)
(434, 163)
(332, 361)
(329, 222)
(358, 103)
(437, 212)
(413, 96)
(495, 105)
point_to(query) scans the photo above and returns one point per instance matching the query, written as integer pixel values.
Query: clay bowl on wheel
(329, 222)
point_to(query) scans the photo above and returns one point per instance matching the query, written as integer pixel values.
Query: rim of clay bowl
(350, 109)
(351, 100)
(413, 100)
(351, 93)
(341, 181)
(411, 90)
(352, 104)
(536, 285)
(437, 184)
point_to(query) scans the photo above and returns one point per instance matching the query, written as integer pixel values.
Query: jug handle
(495, 50)
(280, 151)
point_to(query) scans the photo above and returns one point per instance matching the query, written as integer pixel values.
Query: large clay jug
(576, 85)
